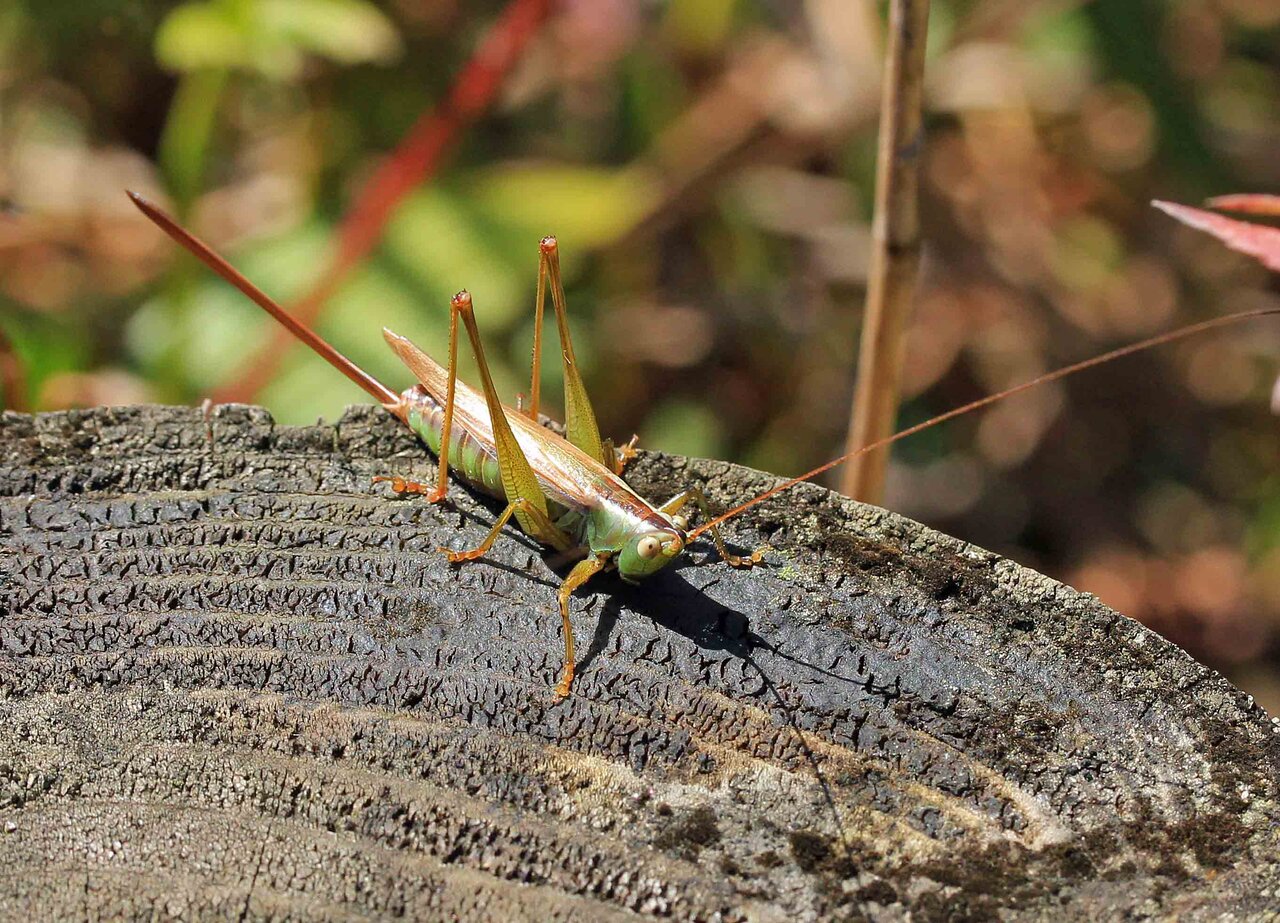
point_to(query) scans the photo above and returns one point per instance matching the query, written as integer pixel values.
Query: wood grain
(237, 680)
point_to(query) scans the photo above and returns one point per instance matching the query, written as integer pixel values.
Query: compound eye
(680, 521)
(648, 547)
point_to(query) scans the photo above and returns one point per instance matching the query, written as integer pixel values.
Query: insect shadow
(672, 602)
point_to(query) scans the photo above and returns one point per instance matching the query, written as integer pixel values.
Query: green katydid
(565, 492)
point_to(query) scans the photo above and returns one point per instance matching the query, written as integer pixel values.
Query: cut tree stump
(236, 679)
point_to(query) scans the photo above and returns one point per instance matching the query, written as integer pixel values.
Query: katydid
(565, 492)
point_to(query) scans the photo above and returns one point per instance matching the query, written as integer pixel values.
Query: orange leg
(673, 507)
(441, 490)
(402, 486)
(580, 420)
(623, 453)
(539, 308)
(581, 573)
(545, 531)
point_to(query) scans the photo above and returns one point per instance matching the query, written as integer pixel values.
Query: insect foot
(756, 557)
(561, 692)
(459, 557)
(401, 486)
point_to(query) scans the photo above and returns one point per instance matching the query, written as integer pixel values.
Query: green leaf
(436, 238)
(700, 26)
(685, 428)
(270, 37)
(586, 207)
(199, 36)
(346, 31)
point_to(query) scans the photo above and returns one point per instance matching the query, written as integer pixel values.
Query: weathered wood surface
(237, 680)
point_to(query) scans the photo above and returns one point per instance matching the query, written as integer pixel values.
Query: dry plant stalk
(895, 259)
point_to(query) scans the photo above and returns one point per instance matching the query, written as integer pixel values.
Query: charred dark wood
(236, 679)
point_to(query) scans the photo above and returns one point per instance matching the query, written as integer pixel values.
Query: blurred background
(708, 166)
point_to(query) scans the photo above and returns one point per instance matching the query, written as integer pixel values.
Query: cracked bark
(236, 679)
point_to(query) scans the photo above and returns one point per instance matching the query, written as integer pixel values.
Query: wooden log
(237, 679)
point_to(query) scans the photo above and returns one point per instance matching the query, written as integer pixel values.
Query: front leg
(582, 572)
(672, 508)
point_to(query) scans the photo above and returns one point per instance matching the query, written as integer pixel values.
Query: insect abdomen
(467, 457)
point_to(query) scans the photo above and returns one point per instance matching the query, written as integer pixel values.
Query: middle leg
(544, 530)
(619, 456)
(673, 506)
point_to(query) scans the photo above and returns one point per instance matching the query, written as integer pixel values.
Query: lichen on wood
(237, 678)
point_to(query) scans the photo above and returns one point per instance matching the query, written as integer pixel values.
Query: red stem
(415, 160)
(13, 377)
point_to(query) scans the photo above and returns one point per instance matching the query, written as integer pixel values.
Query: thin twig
(895, 259)
(415, 160)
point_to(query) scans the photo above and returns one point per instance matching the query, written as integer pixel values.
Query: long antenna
(202, 251)
(1159, 340)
